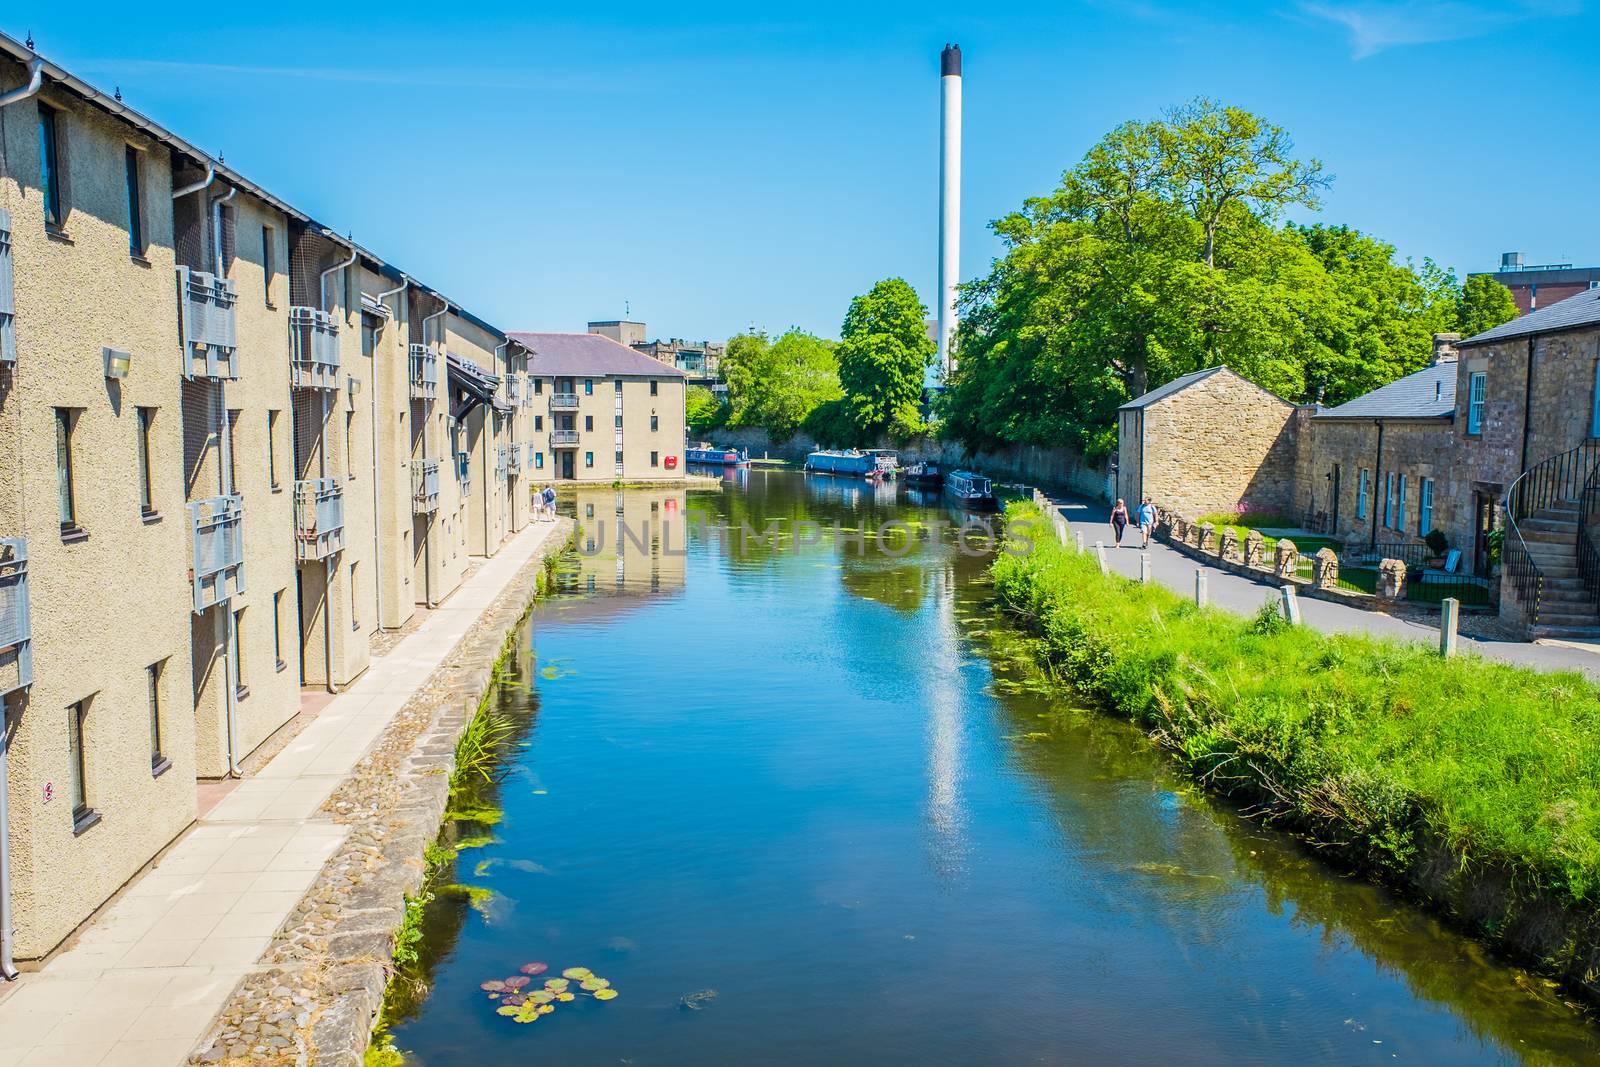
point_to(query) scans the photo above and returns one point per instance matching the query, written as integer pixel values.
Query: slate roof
(1575, 312)
(1161, 392)
(1430, 393)
(577, 354)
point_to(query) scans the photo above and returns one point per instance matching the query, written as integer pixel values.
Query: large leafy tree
(884, 351)
(1484, 304)
(702, 410)
(775, 385)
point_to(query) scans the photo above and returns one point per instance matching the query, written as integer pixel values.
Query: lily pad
(517, 981)
(515, 998)
(546, 1009)
(534, 968)
(577, 974)
(589, 985)
(541, 996)
(492, 986)
(605, 994)
(556, 985)
(506, 1009)
(565, 997)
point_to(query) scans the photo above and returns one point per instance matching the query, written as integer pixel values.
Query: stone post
(1228, 544)
(1144, 567)
(1325, 569)
(1290, 605)
(1100, 550)
(1254, 549)
(1208, 537)
(1392, 579)
(1201, 594)
(1286, 561)
(1077, 539)
(1449, 618)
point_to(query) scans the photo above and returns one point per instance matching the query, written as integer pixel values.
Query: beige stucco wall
(105, 608)
(595, 419)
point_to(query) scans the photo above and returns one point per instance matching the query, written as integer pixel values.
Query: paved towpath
(145, 980)
(1244, 595)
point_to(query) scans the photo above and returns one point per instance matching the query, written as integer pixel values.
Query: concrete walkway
(1245, 596)
(146, 978)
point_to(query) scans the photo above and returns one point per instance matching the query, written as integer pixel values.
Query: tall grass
(1378, 750)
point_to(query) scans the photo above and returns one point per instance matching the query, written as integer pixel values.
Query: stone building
(1206, 442)
(1496, 445)
(700, 361)
(235, 446)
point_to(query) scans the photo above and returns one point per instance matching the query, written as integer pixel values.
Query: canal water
(804, 801)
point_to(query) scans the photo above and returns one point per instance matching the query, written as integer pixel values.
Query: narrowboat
(970, 491)
(711, 456)
(924, 475)
(833, 461)
(886, 460)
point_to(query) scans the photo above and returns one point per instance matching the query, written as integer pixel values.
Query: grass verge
(1471, 783)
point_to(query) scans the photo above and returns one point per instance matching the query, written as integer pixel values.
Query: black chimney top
(950, 61)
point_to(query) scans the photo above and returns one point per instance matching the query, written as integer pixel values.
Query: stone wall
(1219, 444)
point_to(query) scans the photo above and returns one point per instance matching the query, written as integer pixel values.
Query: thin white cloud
(1375, 26)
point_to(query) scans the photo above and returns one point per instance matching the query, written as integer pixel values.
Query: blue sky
(716, 167)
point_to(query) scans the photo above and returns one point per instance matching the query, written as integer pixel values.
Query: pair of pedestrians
(1146, 518)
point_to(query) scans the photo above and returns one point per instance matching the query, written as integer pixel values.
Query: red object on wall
(672, 463)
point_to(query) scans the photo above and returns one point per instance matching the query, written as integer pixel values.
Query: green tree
(884, 352)
(1484, 304)
(702, 410)
(741, 365)
(775, 385)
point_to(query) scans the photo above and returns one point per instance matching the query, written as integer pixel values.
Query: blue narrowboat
(851, 461)
(970, 491)
(711, 456)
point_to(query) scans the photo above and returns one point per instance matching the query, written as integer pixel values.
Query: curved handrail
(1562, 477)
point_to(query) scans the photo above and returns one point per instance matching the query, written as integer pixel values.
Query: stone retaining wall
(317, 993)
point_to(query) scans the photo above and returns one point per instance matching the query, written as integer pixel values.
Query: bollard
(1291, 606)
(1077, 539)
(1200, 596)
(1449, 618)
(1144, 566)
(1100, 550)
(1061, 530)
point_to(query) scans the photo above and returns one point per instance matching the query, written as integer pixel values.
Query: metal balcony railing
(318, 518)
(500, 461)
(514, 458)
(217, 524)
(424, 372)
(424, 486)
(563, 401)
(16, 628)
(208, 325)
(313, 349)
(563, 438)
(513, 387)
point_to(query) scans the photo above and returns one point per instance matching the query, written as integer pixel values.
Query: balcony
(318, 518)
(424, 372)
(313, 349)
(217, 524)
(16, 628)
(563, 438)
(208, 325)
(513, 388)
(500, 461)
(563, 401)
(424, 486)
(514, 458)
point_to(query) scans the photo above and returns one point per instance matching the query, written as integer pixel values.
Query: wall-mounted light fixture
(117, 362)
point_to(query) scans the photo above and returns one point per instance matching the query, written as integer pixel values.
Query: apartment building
(609, 414)
(236, 445)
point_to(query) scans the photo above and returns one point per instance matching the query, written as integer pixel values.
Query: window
(350, 444)
(653, 386)
(1361, 494)
(1388, 501)
(538, 423)
(147, 503)
(618, 384)
(277, 629)
(355, 606)
(588, 459)
(588, 387)
(269, 263)
(238, 654)
(66, 502)
(619, 422)
(158, 762)
(1400, 505)
(538, 386)
(1425, 507)
(619, 459)
(83, 816)
(50, 175)
(1477, 385)
(653, 458)
(654, 424)
(230, 250)
(130, 165)
(538, 461)
(588, 422)
(272, 450)
(233, 449)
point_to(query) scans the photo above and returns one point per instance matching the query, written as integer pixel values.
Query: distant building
(701, 361)
(1542, 284)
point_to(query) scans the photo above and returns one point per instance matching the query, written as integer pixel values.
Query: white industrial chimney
(949, 199)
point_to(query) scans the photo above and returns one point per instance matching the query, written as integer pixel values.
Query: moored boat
(926, 474)
(886, 460)
(711, 456)
(971, 491)
(847, 461)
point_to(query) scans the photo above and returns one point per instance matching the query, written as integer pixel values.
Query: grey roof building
(1430, 393)
(577, 354)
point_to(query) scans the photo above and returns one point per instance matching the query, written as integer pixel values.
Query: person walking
(1119, 519)
(550, 502)
(1147, 520)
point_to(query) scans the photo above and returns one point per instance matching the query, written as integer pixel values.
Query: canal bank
(798, 802)
(1465, 783)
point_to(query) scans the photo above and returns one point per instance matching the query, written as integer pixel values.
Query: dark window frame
(147, 489)
(50, 174)
(269, 263)
(83, 813)
(66, 474)
(131, 161)
(158, 761)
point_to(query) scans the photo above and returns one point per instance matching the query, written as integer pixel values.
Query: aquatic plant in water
(519, 1004)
